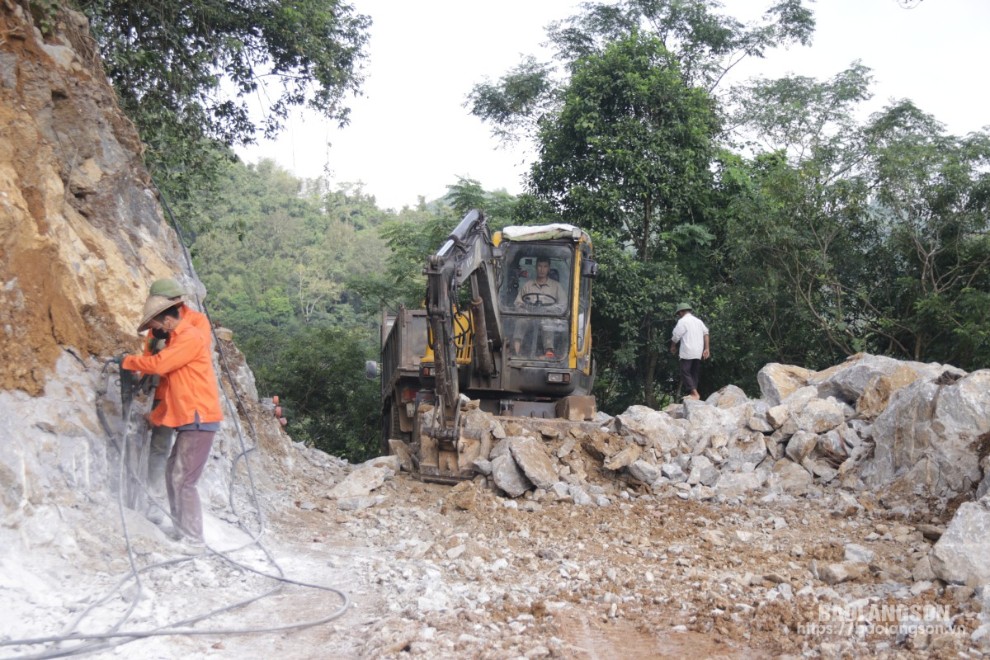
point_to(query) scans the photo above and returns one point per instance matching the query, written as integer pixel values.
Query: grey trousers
(158, 451)
(182, 471)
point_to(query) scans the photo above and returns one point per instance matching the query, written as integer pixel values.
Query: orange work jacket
(199, 320)
(187, 363)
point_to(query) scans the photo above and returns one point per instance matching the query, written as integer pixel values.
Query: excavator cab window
(535, 300)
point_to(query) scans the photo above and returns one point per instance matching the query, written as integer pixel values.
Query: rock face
(82, 232)
(82, 237)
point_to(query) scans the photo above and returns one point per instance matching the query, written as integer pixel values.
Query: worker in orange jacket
(190, 406)
(161, 436)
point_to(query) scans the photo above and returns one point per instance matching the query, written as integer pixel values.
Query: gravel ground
(440, 571)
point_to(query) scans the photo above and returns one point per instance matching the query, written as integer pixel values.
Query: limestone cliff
(81, 237)
(82, 231)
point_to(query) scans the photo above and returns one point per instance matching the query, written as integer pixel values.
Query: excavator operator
(544, 295)
(542, 292)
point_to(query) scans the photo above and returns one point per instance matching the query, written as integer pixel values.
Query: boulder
(790, 477)
(962, 554)
(401, 450)
(644, 471)
(729, 396)
(819, 468)
(734, 484)
(759, 422)
(703, 471)
(801, 445)
(746, 448)
(858, 553)
(674, 472)
(464, 496)
(778, 381)
(876, 395)
(777, 415)
(928, 438)
(507, 476)
(707, 424)
(623, 458)
(833, 444)
(820, 415)
(601, 445)
(532, 459)
(847, 381)
(579, 495)
(650, 427)
(841, 572)
(361, 482)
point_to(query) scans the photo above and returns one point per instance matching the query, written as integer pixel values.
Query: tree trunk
(649, 374)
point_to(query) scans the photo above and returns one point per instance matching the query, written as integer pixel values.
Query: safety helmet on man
(683, 307)
(167, 288)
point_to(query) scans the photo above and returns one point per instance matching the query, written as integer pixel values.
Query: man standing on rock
(691, 334)
(161, 436)
(190, 406)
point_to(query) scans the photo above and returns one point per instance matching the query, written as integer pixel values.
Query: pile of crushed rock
(916, 437)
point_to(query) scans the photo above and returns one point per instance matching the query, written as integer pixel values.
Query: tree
(626, 128)
(857, 237)
(281, 253)
(320, 380)
(706, 44)
(801, 223)
(932, 196)
(628, 156)
(183, 71)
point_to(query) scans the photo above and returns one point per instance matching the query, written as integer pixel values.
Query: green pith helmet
(154, 306)
(166, 288)
(683, 307)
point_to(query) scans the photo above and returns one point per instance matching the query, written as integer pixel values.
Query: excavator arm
(467, 255)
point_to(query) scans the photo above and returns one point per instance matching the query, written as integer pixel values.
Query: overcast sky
(410, 134)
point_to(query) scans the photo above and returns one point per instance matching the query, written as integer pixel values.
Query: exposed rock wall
(81, 233)
(81, 237)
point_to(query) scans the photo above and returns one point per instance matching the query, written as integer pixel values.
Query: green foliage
(628, 153)
(627, 156)
(853, 237)
(282, 254)
(300, 273)
(177, 56)
(632, 315)
(414, 234)
(705, 42)
(933, 199)
(184, 70)
(319, 377)
(45, 14)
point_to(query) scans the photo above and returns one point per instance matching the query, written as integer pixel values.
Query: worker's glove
(117, 359)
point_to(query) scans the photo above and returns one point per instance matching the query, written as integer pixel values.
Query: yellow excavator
(516, 340)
